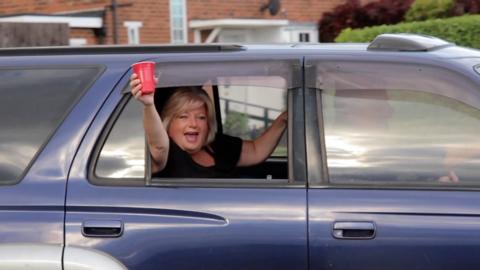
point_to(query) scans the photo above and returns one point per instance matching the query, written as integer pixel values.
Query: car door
(393, 156)
(246, 222)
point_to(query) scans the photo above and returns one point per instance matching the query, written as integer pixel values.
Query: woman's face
(189, 129)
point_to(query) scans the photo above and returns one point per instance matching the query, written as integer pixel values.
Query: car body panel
(414, 229)
(31, 256)
(185, 228)
(36, 256)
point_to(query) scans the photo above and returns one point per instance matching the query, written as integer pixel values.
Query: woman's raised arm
(258, 150)
(157, 137)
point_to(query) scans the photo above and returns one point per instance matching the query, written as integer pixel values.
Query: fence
(265, 118)
(33, 34)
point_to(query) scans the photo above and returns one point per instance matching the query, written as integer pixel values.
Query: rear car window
(417, 129)
(33, 104)
(398, 136)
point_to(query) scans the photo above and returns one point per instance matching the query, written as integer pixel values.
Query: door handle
(102, 228)
(354, 230)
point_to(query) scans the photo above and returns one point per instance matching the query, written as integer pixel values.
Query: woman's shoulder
(225, 140)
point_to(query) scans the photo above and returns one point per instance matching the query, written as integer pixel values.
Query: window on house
(178, 21)
(133, 31)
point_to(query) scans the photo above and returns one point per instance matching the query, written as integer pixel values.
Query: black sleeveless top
(225, 150)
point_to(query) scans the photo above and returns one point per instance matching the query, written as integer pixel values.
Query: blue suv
(379, 167)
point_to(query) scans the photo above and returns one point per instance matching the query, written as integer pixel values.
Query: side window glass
(400, 136)
(34, 102)
(123, 153)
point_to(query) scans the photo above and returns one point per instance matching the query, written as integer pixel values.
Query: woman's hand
(455, 156)
(282, 118)
(136, 90)
(451, 177)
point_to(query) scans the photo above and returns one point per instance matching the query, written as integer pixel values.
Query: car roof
(386, 45)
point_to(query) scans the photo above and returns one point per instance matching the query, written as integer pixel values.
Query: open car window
(245, 105)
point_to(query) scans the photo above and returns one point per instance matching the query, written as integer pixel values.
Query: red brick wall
(295, 10)
(155, 13)
(84, 33)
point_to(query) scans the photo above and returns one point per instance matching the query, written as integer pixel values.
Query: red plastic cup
(146, 72)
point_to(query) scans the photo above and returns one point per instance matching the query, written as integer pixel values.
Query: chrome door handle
(102, 228)
(354, 230)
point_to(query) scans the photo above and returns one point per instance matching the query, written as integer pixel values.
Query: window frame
(287, 66)
(294, 95)
(133, 31)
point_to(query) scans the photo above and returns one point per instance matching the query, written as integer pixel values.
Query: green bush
(422, 10)
(236, 124)
(463, 31)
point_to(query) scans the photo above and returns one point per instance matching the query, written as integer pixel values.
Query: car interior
(275, 167)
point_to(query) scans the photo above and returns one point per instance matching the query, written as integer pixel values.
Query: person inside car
(372, 147)
(183, 138)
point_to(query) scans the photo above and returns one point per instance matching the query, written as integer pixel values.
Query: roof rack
(125, 49)
(407, 42)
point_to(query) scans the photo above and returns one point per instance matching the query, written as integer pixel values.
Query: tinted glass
(123, 154)
(400, 137)
(33, 103)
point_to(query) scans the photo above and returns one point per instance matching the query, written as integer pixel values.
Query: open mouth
(191, 136)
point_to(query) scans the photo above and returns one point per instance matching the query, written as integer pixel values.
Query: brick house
(175, 21)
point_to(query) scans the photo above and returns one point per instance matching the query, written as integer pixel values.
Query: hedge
(422, 10)
(463, 30)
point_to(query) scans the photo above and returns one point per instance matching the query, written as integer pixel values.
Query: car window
(244, 111)
(396, 135)
(400, 136)
(123, 154)
(34, 102)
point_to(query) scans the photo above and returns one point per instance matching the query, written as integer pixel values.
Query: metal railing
(265, 115)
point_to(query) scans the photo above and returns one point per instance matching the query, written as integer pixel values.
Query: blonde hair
(181, 98)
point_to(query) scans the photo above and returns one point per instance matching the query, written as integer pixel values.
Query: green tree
(422, 10)
(236, 124)
(463, 30)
